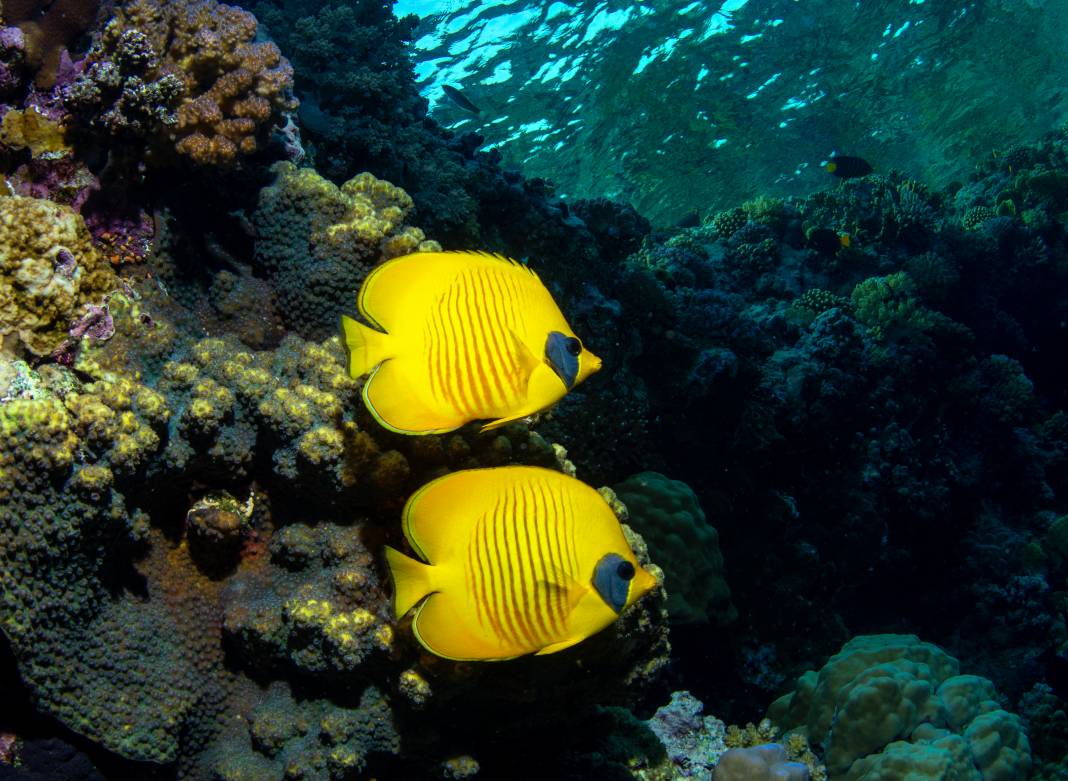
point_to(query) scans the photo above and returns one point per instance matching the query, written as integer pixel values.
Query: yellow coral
(414, 686)
(322, 444)
(48, 271)
(30, 129)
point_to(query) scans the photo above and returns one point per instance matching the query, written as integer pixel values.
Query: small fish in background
(460, 336)
(519, 560)
(845, 167)
(457, 97)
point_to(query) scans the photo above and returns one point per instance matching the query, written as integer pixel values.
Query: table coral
(49, 271)
(317, 241)
(889, 705)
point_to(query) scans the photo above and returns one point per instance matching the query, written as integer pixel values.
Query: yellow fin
(366, 347)
(552, 649)
(437, 518)
(387, 394)
(412, 580)
(544, 389)
(390, 290)
(530, 364)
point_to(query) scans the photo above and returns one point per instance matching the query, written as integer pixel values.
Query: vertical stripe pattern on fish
(467, 336)
(519, 560)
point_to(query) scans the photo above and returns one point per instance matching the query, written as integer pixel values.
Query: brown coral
(233, 86)
(48, 271)
(49, 27)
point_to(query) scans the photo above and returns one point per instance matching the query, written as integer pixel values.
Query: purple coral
(693, 742)
(12, 57)
(96, 324)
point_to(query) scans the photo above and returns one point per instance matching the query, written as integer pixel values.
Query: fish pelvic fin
(412, 580)
(552, 649)
(365, 346)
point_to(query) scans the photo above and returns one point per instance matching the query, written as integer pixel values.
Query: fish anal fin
(389, 399)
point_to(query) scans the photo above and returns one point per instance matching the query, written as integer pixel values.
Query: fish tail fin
(411, 580)
(366, 347)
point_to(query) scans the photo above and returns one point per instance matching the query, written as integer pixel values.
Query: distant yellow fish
(521, 560)
(468, 336)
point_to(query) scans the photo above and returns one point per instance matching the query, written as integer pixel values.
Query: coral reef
(890, 704)
(694, 743)
(667, 515)
(189, 77)
(317, 241)
(49, 271)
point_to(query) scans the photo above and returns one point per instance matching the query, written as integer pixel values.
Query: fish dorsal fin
(437, 518)
(392, 290)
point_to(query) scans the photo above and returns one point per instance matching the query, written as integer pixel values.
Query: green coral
(317, 241)
(315, 740)
(976, 216)
(49, 271)
(889, 306)
(891, 706)
(667, 515)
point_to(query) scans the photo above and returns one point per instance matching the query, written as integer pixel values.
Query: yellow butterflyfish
(460, 336)
(520, 560)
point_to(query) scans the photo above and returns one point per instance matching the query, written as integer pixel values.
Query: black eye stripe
(574, 346)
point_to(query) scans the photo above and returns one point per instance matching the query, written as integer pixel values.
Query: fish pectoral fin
(522, 354)
(562, 588)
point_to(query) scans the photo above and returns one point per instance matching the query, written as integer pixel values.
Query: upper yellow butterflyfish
(520, 560)
(467, 336)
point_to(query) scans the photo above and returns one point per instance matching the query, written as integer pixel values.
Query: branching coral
(188, 75)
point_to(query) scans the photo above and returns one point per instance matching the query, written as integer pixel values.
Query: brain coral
(890, 707)
(232, 86)
(317, 241)
(48, 271)
(667, 515)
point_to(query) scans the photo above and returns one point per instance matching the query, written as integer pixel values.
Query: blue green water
(679, 105)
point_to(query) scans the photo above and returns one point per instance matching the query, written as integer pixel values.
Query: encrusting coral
(49, 271)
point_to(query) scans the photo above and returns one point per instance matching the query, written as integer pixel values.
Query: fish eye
(574, 346)
(625, 570)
